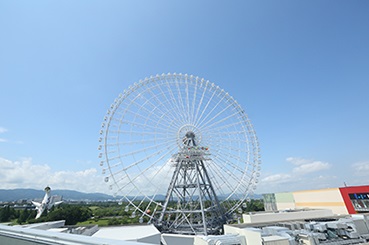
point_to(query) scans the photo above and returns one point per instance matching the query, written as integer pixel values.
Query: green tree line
(72, 214)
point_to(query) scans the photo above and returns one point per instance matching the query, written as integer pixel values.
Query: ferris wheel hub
(190, 135)
(187, 133)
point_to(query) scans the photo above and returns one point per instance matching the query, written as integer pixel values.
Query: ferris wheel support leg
(216, 200)
(201, 201)
(170, 190)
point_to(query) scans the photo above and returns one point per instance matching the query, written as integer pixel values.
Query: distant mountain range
(32, 194)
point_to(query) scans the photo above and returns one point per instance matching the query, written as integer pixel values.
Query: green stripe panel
(285, 197)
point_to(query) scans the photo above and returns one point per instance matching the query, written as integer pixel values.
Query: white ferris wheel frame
(149, 120)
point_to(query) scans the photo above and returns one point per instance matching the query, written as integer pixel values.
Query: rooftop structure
(327, 230)
(26, 236)
(299, 228)
(138, 233)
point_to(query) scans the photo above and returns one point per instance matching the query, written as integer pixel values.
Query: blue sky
(300, 69)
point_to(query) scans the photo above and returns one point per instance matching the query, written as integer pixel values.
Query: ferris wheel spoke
(143, 171)
(188, 102)
(139, 142)
(205, 108)
(222, 128)
(147, 119)
(123, 170)
(223, 170)
(143, 126)
(223, 175)
(229, 138)
(150, 115)
(185, 100)
(163, 157)
(143, 198)
(141, 160)
(222, 120)
(175, 111)
(142, 107)
(180, 100)
(160, 102)
(171, 116)
(215, 107)
(200, 103)
(175, 99)
(218, 176)
(232, 149)
(220, 169)
(225, 162)
(126, 132)
(119, 163)
(192, 113)
(226, 142)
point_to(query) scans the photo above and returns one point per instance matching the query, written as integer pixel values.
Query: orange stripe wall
(330, 198)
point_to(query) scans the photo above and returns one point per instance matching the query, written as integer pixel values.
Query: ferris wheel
(181, 151)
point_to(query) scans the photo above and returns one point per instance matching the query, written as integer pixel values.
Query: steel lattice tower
(191, 205)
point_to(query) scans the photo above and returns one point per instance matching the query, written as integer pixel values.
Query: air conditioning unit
(220, 240)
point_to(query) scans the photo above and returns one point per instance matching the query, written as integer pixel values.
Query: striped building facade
(345, 200)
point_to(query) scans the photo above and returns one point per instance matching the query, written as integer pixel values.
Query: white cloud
(277, 178)
(297, 160)
(25, 174)
(298, 176)
(305, 166)
(3, 140)
(312, 167)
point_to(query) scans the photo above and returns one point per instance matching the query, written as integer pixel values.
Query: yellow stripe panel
(321, 204)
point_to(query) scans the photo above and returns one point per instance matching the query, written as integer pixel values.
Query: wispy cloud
(298, 176)
(3, 140)
(305, 166)
(361, 168)
(277, 178)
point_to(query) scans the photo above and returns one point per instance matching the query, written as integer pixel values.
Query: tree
(23, 216)
(72, 214)
(7, 213)
(254, 205)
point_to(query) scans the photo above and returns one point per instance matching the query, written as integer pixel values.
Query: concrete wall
(321, 199)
